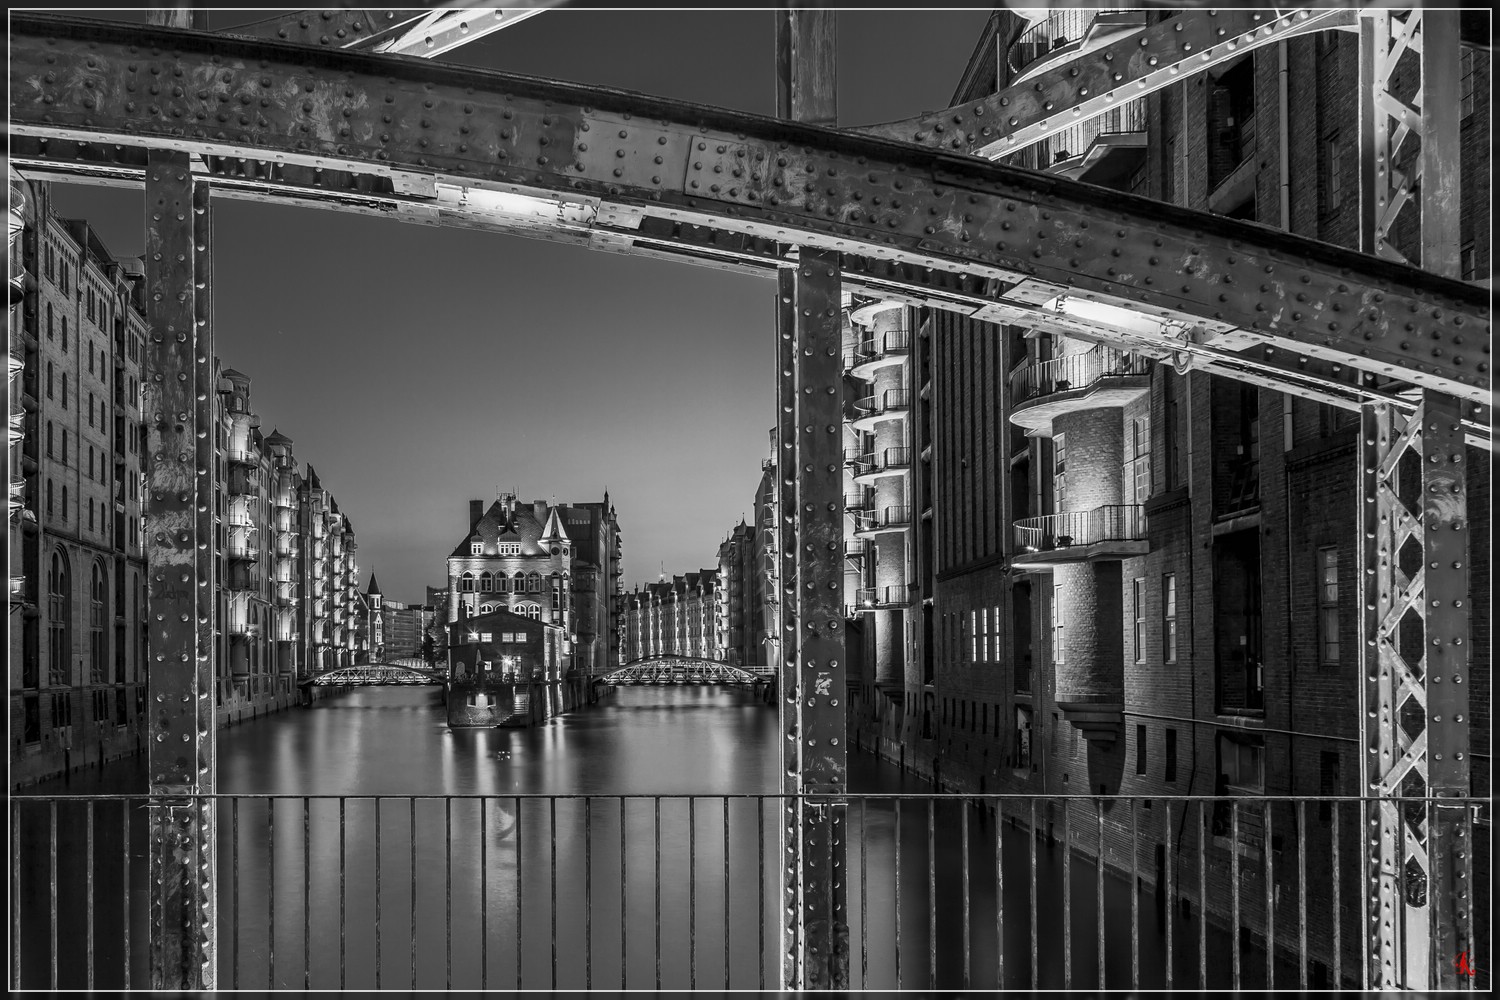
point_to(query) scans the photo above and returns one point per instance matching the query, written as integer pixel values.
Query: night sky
(418, 367)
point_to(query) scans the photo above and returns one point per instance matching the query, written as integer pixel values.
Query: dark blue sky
(417, 367)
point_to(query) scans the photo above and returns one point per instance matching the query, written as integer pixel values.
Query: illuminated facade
(679, 617)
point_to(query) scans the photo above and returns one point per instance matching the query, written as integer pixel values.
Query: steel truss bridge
(682, 670)
(374, 675)
(314, 110)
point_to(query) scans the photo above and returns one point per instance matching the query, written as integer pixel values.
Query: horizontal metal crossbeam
(593, 165)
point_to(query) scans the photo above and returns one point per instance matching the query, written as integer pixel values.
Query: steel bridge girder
(497, 136)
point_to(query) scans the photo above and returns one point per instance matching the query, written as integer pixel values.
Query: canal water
(630, 843)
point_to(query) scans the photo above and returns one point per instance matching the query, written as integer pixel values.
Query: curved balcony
(245, 480)
(1066, 33)
(886, 462)
(1100, 377)
(882, 598)
(855, 503)
(877, 522)
(888, 405)
(1113, 531)
(242, 544)
(1102, 150)
(876, 352)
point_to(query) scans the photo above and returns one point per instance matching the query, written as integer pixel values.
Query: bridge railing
(478, 891)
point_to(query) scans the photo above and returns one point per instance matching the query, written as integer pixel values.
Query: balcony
(1113, 531)
(241, 456)
(1064, 34)
(876, 522)
(887, 462)
(882, 598)
(886, 405)
(242, 543)
(877, 352)
(245, 480)
(854, 503)
(1099, 377)
(1104, 150)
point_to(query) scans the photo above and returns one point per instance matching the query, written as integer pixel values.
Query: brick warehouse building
(559, 563)
(1120, 577)
(78, 645)
(682, 616)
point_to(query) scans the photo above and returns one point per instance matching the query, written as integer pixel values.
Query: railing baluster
(624, 961)
(864, 923)
(89, 892)
(1234, 892)
(1099, 891)
(692, 898)
(760, 846)
(1202, 901)
(124, 881)
(897, 876)
(448, 859)
(1301, 894)
(520, 894)
(999, 896)
(1270, 878)
(412, 852)
(931, 897)
(52, 854)
(271, 893)
(484, 894)
(377, 891)
(656, 836)
(1067, 873)
(725, 803)
(306, 893)
(1169, 900)
(15, 893)
(1338, 895)
(1032, 837)
(1135, 900)
(343, 901)
(552, 833)
(964, 846)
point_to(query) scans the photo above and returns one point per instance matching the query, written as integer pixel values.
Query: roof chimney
(476, 511)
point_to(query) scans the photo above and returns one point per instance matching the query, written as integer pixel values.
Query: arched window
(98, 592)
(518, 582)
(59, 619)
(531, 610)
(486, 582)
(534, 583)
(466, 582)
(502, 583)
(486, 609)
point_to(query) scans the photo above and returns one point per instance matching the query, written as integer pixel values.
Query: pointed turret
(374, 586)
(553, 532)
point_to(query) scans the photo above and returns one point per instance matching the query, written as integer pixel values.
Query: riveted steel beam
(1073, 90)
(335, 29)
(178, 402)
(789, 684)
(780, 180)
(444, 31)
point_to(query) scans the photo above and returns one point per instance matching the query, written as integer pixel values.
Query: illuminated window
(1059, 471)
(486, 582)
(1139, 468)
(973, 636)
(1138, 603)
(1169, 618)
(475, 548)
(1328, 606)
(1057, 625)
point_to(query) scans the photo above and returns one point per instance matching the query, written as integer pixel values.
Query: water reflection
(579, 892)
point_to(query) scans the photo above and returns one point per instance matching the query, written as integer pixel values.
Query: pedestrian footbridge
(683, 670)
(375, 675)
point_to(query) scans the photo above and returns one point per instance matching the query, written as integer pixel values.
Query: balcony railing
(892, 342)
(1073, 902)
(882, 597)
(1058, 30)
(889, 518)
(855, 502)
(1076, 140)
(1074, 371)
(1110, 523)
(890, 401)
(882, 461)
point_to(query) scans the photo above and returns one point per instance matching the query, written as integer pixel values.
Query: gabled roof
(374, 587)
(499, 522)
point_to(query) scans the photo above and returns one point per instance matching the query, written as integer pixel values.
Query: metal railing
(1074, 371)
(888, 517)
(1109, 523)
(1075, 140)
(880, 461)
(1059, 29)
(882, 597)
(854, 502)
(943, 891)
(875, 348)
(884, 402)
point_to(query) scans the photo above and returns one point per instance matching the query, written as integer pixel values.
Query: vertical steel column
(179, 399)
(810, 542)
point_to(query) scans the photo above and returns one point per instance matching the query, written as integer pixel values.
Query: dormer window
(510, 549)
(475, 548)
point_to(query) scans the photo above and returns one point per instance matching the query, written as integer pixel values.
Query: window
(475, 548)
(1057, 625)
(1138, 470)
(1328, 606)
(65, 446)
(1466, 86)
(973, 636)
(59, 619)
(466, 582)
(486, 582)
(534, 583)
(65, 494)
(65, 390)
(50, 335)
(49, 439)
(98, 666)
(51, 379)
(1169, 618)
(49, 498)
(1140, 749)
(1138, 606)
(1334, 172)
(1241, 770)
(1023, 737)
(1169, 757)
(1328, 781)
(65, 332)
(1059, 471)
(1466, 261)
(486, 636)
